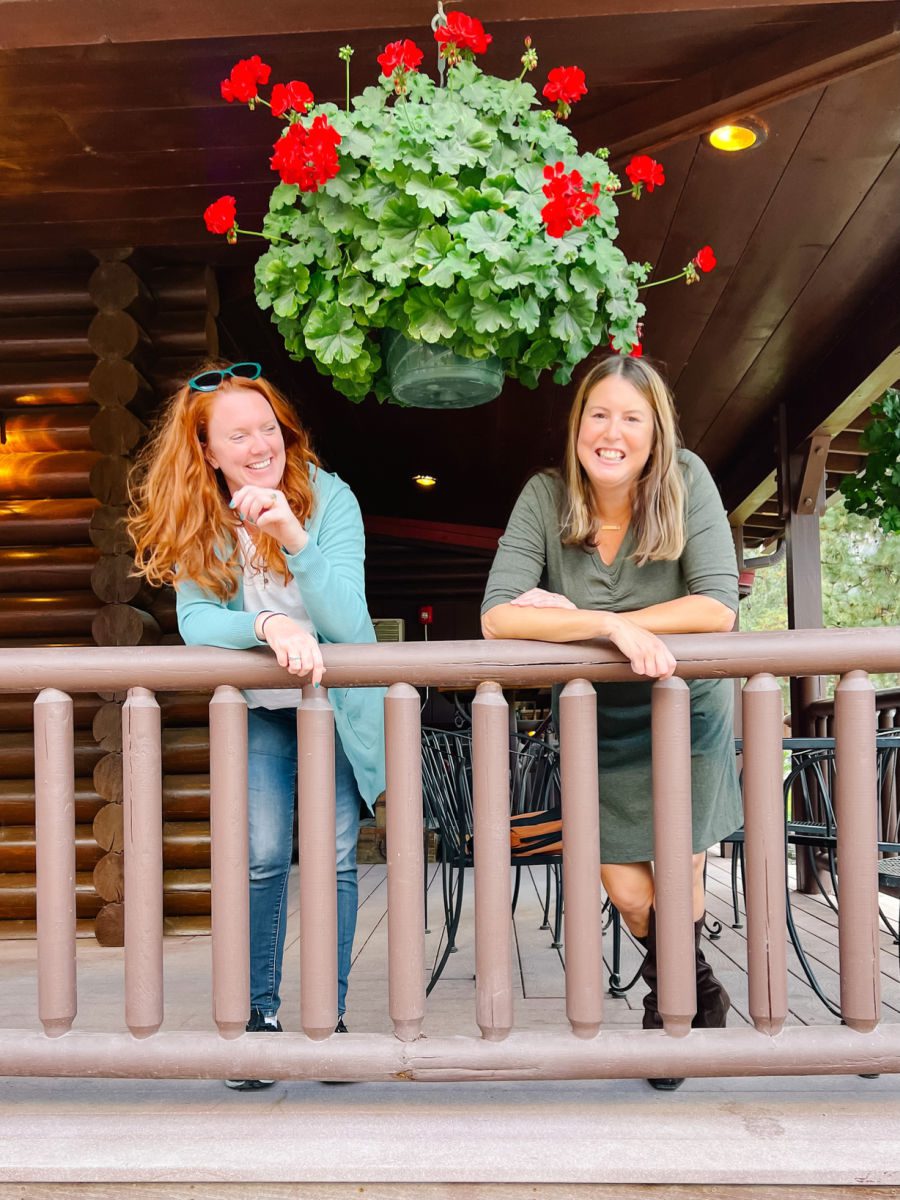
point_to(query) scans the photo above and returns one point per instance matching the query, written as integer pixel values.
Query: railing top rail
(462, 664)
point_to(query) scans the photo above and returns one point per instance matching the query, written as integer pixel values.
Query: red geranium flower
(307, 157)
(461, 33)
(221, 216)
(405, 54)
(295, 95)
(565, 85)
(704, 259)
(569, 204)
(244, 79)
(644, 171)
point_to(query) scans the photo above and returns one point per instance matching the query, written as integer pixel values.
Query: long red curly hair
(179, 519)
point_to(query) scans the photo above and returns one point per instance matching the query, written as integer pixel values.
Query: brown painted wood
(17, 848)
(17, 802)
(108, 827)
(116, 431)
(107, 726)
(17, 711)
(186, 892)
(57, 476)
(109, 479)
(108, 778)
(803, 61)
(113, 580)
(186, 797)
(176, 288)
(109, 927)
(185, 333)
(184, 708)
(115, 287)
(31, 384)
(45, 616)
(40, 293)
(43, 338)
(46, 569)
(122, 625)
(42, 429)
(18, 895)
(116, 335)
(116, 381)
(109, 876)
(107, 528)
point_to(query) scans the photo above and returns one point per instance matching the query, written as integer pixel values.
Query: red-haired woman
(265, 548)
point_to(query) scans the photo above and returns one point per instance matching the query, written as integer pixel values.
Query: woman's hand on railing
(295, 648)
(645, 652)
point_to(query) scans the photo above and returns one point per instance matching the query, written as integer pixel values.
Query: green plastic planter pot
(423, 375)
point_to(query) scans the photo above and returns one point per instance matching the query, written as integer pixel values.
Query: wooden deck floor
(725, 1131)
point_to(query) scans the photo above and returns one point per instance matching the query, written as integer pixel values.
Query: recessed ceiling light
(425, 481)
(743, 133)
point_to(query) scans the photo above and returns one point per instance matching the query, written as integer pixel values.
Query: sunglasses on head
(208, 381)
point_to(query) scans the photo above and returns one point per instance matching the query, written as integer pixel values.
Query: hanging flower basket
(422, 375)
(461, 216)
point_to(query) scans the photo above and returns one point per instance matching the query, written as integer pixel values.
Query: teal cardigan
(329, 573)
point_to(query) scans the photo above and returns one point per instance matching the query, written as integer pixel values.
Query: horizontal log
(184, 333)
(117, 335)
(17, 754)
(195, 925)
(116, 286)
(114, 581)
(109, 479)
(184, 751)
(37, 430)
(62, 475)
(47, 522)
(26, 931)
(184, 708)
(17, 711)
(186, 892)
(44, 339)
(184, 287)
(109, 927)
(116, 431)
(17, 848)
(186, 797)
(17, 801)
(42, 617)
(185, 844)
(169, 374)
(116, 382)
(33, 384)
(107, 528)
(44, 293)
(161, 605)
(47, 569)
(109, 876)
(55, 642)
(122, 625)
(18, 896)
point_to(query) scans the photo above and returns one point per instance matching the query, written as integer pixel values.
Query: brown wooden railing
(584, 1049)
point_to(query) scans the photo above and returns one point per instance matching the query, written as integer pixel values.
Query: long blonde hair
(659, 497)
(179, 517)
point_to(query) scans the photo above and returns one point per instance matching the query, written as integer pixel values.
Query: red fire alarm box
(426, 614)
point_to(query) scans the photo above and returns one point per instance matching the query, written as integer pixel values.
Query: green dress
(531, 554)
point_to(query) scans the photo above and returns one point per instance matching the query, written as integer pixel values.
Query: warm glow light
(425, 481)
(742, 134)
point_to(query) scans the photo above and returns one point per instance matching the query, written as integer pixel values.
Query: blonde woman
(265, 549)
(628, 542)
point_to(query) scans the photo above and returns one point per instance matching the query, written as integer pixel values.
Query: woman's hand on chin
(645, 652)
(268, 510)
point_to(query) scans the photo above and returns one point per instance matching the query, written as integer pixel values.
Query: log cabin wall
(85, 357)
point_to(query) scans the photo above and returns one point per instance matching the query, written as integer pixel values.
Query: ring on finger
(274, 496)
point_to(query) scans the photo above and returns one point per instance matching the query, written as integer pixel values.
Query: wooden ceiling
(112, 134)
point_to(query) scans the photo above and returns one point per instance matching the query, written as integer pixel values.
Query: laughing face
(615, 436)
(244, 440)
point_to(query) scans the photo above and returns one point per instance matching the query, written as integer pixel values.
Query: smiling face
(615, 435)
(244, 440)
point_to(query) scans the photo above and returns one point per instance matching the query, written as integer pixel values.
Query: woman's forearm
(544, 624)
(687, 614)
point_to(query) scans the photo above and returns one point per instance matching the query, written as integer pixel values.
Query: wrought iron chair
(447, 800)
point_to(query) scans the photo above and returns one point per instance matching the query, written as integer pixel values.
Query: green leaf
(428, 320)
(332, 334)
(526, 313)
(514, 270)
(486, 233)
(284, 195)
(432, 192)
(490, 315)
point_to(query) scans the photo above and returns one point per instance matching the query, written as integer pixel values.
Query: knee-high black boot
(652, 1019)
(713, 1001)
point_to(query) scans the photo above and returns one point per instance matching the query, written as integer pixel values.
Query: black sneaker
(341, 1027)
(258, 1023)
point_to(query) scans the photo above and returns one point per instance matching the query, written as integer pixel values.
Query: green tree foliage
(860, 581)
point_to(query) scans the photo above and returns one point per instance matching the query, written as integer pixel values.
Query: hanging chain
(436, 22)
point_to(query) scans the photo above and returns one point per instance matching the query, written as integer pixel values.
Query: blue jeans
(272, 743)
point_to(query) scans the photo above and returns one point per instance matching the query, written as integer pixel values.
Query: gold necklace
(612, 528)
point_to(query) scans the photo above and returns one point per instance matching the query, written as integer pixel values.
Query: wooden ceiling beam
(28, 24)
(810, 58)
